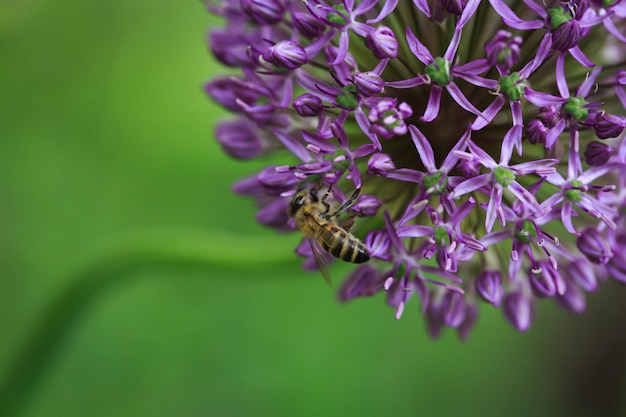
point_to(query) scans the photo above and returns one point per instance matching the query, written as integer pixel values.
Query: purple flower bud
(364, 281)
(503, 50)
(380, 164)
(453, 308)
(519, 310)
(536, 131)
(249, 187)
(264, 12)
(366, 206)
(434, 318)
(231, 48)
(379, 244)
(566, 36)
(592, 244)
(239, 139)
(274, 214)
(597, 153)
(382, 42)
(470, 168)
(608, 125)
(471, 314)
(308, 105)
(227, 93)
(581, 272)
(547, 282)
(489, 287)
(617, 268)
(369, 83)
(454, 6)
(287, 54)
(307, 25)
(573, 300)
(549, 116)
(264, 114)
(277, 182)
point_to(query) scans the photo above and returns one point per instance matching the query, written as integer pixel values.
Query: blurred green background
(106, 136)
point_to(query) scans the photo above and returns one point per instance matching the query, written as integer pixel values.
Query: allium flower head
(486, 139)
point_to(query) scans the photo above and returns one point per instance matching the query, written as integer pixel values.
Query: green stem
(116, 261)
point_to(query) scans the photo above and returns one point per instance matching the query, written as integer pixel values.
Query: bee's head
(297, 202)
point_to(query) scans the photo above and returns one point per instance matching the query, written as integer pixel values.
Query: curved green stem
(113, 262)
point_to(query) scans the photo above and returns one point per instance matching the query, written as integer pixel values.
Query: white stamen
(388, 283)
(313, 148)
(399, 310)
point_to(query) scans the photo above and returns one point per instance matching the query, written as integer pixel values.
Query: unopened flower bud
(380, 164)
(518, 310)
(597, 153)
(366, 205)
(308, 105)
(369, 83)
(434, 318)
(364, 281)
(581, 272)
(549, 116)
(616, 268)
(573, 300)
(471, 315)
(454, 7)
(489, 287)
(264, 11)
(536, 131)
(566, 36)
(239, 139)
(453, 308)
(548, 282)
(382, 42)
(566, 31)
(274, 214)
(288, 55)
(378, 243)
(307, 25)
(231, 48)
(609, 125)
(470, 168)
(593, 246)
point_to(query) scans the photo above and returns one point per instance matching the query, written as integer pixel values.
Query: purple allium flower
(426, 115)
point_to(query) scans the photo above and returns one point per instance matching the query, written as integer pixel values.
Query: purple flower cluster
(487, 138)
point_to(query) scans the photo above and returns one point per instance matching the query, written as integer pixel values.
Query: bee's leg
(324, 197)
(348, 222)
(313, 193)
(349, 202)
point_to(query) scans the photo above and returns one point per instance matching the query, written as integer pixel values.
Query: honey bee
(316, 221)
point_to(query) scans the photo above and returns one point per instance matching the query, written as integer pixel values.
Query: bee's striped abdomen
(343, 245)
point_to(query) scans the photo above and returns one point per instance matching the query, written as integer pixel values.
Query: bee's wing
(322, 259)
